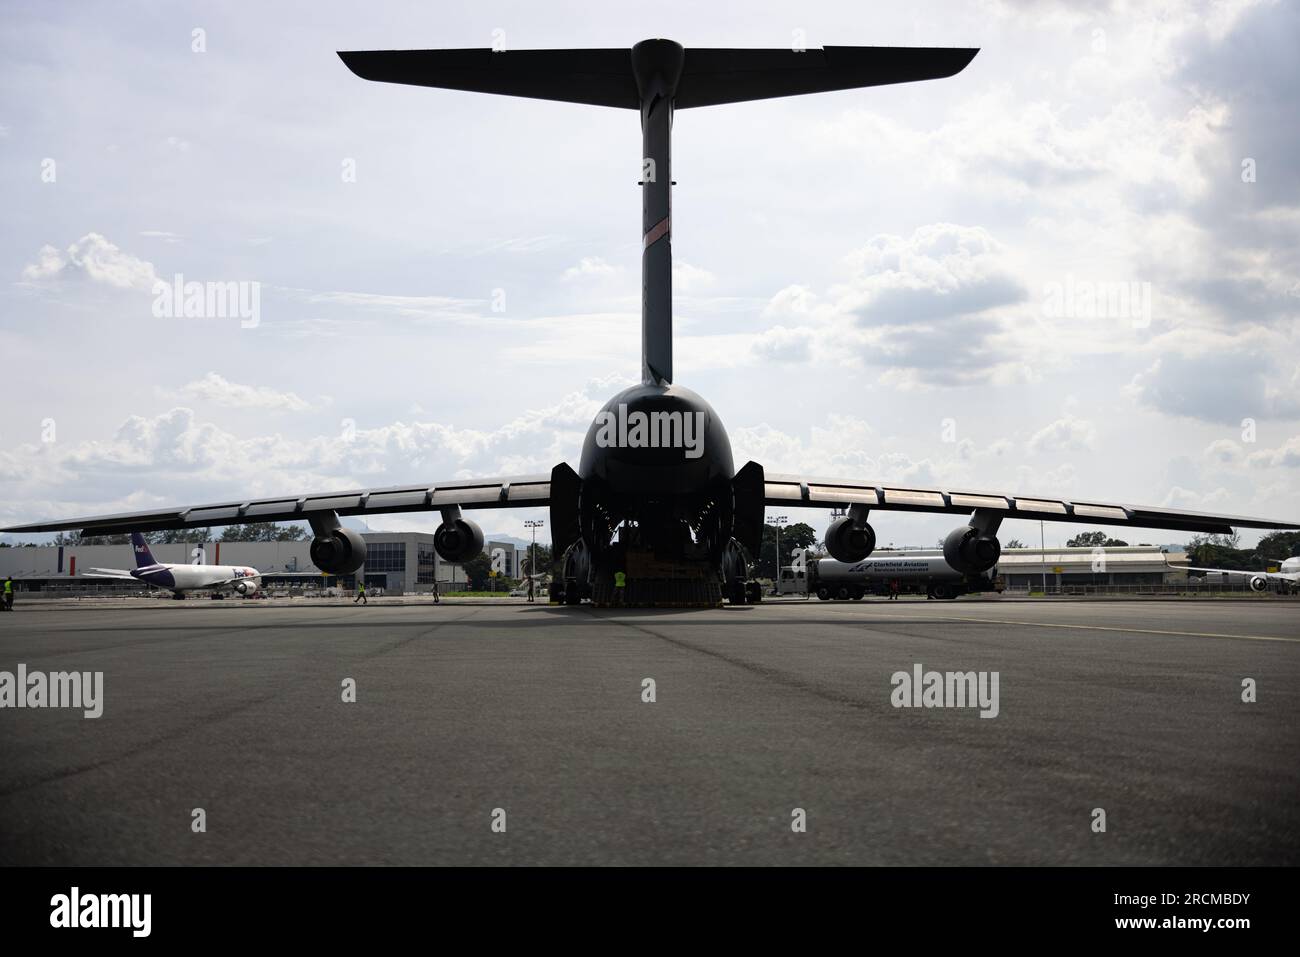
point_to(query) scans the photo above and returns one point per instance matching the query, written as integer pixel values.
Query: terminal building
(400, 563)
(1028, 568)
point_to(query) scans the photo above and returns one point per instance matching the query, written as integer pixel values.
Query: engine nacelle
(848, 543)
(458, 540)
(340, 552)
(1258, 583)
(246, 587)
(967, 551)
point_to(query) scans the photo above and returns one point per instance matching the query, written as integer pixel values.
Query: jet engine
(969, 552)
(246, 587)
(848, 542)
(458, 540)
(338, 552)
(1258, 583)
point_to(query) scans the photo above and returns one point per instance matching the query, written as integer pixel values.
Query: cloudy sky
(892, 284)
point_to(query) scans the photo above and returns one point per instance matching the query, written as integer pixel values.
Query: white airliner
(182, 578)
(1286, 579)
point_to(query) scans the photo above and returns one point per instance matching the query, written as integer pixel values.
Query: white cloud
(92, 257)
(1064, 435)
(688, 278)
(942, 271)
(590, 267)
(1287, 455)
(1221, 378)
(214, 388)
(785, 345)
(1223, 452)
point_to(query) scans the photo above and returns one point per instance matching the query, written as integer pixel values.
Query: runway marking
(1044, 624)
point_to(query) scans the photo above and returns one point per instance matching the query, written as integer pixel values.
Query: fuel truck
(917, 572)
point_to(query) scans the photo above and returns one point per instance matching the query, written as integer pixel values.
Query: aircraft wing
(793, 491)
(1271, 576)
(227, 582)
(519, 492)
(107, 573)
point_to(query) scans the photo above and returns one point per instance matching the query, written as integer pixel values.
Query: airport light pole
(1042, 554)
(776, 522)
(534, 524)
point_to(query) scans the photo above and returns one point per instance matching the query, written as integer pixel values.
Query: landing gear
(824, 593)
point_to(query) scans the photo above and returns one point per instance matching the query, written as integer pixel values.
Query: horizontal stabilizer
(597, 77)
(107, 573)
(710, 76)
(713, 76)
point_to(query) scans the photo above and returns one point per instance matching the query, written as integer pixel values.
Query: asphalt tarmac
(474, 713)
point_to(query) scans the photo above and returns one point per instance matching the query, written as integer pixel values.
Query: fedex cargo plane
(240, 579)
(657, 496)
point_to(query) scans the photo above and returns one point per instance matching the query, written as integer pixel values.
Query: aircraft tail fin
(710, 75)
(657, 77)
(143, 557)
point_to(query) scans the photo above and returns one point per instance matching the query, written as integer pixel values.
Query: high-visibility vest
(620, 579)
(9, 587)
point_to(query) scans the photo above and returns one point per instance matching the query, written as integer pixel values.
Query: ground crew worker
(893, 589)
(530, 587)
(9, 593)
(361, 592)
(436, 599)
(620, 584)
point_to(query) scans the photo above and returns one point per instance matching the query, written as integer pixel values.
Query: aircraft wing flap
(414, 498)
(514, 492)
(847, 496)
(914, 498)
(333, 503)
(791, 490)
(961, 499)
(212, 516)
(256, 510)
